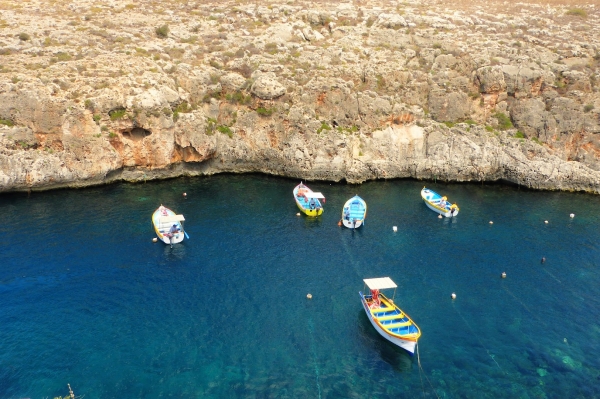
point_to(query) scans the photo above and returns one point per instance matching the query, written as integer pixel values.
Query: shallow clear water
(87, 298)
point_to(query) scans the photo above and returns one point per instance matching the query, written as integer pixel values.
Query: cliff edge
(93, 92)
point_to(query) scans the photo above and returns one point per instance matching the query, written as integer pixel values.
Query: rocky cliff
(98, 91)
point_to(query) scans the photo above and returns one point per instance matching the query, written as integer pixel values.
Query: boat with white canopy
(308, 201)
(168, 225)
(391, 322)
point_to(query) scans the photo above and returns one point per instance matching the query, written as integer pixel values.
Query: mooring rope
(311, 329)
(478, 339)
(524, 306)
(350, 257)
(552, 275)
(427, 378)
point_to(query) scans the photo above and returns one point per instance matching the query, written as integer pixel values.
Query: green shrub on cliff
(211, 124)
(347, 130)
(117, 114)
(225, 130)
(504, 122)
(6, 122)
(209, 95)
(588, 108)
(238, 98)
(162, 31)
(62, 56)
(265, 111)
(183, 107)
(271, 48)
(324, 126)
(88, 104)
(577, 12)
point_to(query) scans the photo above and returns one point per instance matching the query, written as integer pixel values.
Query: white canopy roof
(315, 195)
(380, 283)
(169, 219)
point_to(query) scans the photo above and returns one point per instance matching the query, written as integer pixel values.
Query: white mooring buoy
(309, 296)
(298, 214)
(491, 222)
(545, 221)
(453, 296)
(185, 194)
(503, 274)
(155, 239)
(572, 215)
(395, 228)
(439, 216)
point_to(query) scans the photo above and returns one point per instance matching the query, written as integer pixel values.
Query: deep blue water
(87, 298)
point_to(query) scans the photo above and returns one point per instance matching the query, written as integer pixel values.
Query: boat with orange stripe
(391, 322)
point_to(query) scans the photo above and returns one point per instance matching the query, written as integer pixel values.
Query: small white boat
(438, 204)
(354, 212)
(308, 201)
(388, 319)
(168, 225)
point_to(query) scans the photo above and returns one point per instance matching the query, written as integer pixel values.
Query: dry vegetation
(92, 45)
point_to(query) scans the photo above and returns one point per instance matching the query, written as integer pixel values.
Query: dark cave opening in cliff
(136, 133)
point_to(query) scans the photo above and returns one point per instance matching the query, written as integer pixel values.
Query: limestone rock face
(318, 90)
(266, 87)
(448, 107)
(491, 79)
(522, 82)
(531, 117)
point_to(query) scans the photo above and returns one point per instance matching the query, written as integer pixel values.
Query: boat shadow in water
(311, 221)
(356, 232)
(396, 357)
(174, 254)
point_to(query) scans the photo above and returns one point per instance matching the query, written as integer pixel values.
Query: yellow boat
(168, 226)
(308, 201)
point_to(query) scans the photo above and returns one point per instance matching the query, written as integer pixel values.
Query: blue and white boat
(388, 319)
(354, 212)
(168, 225)
(438, 204)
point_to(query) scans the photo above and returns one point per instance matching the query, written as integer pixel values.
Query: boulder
(522, 82)
(233, 81)
(266, 87)
(390, 21)
(490, 79)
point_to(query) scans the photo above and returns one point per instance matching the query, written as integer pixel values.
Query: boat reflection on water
(312, 222)
(398, 358)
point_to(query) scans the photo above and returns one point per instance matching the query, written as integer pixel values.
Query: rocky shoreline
(105, 91)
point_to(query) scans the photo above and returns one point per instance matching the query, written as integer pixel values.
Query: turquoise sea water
(86, 298)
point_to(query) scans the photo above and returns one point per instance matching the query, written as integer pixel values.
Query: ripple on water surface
(88, 299)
